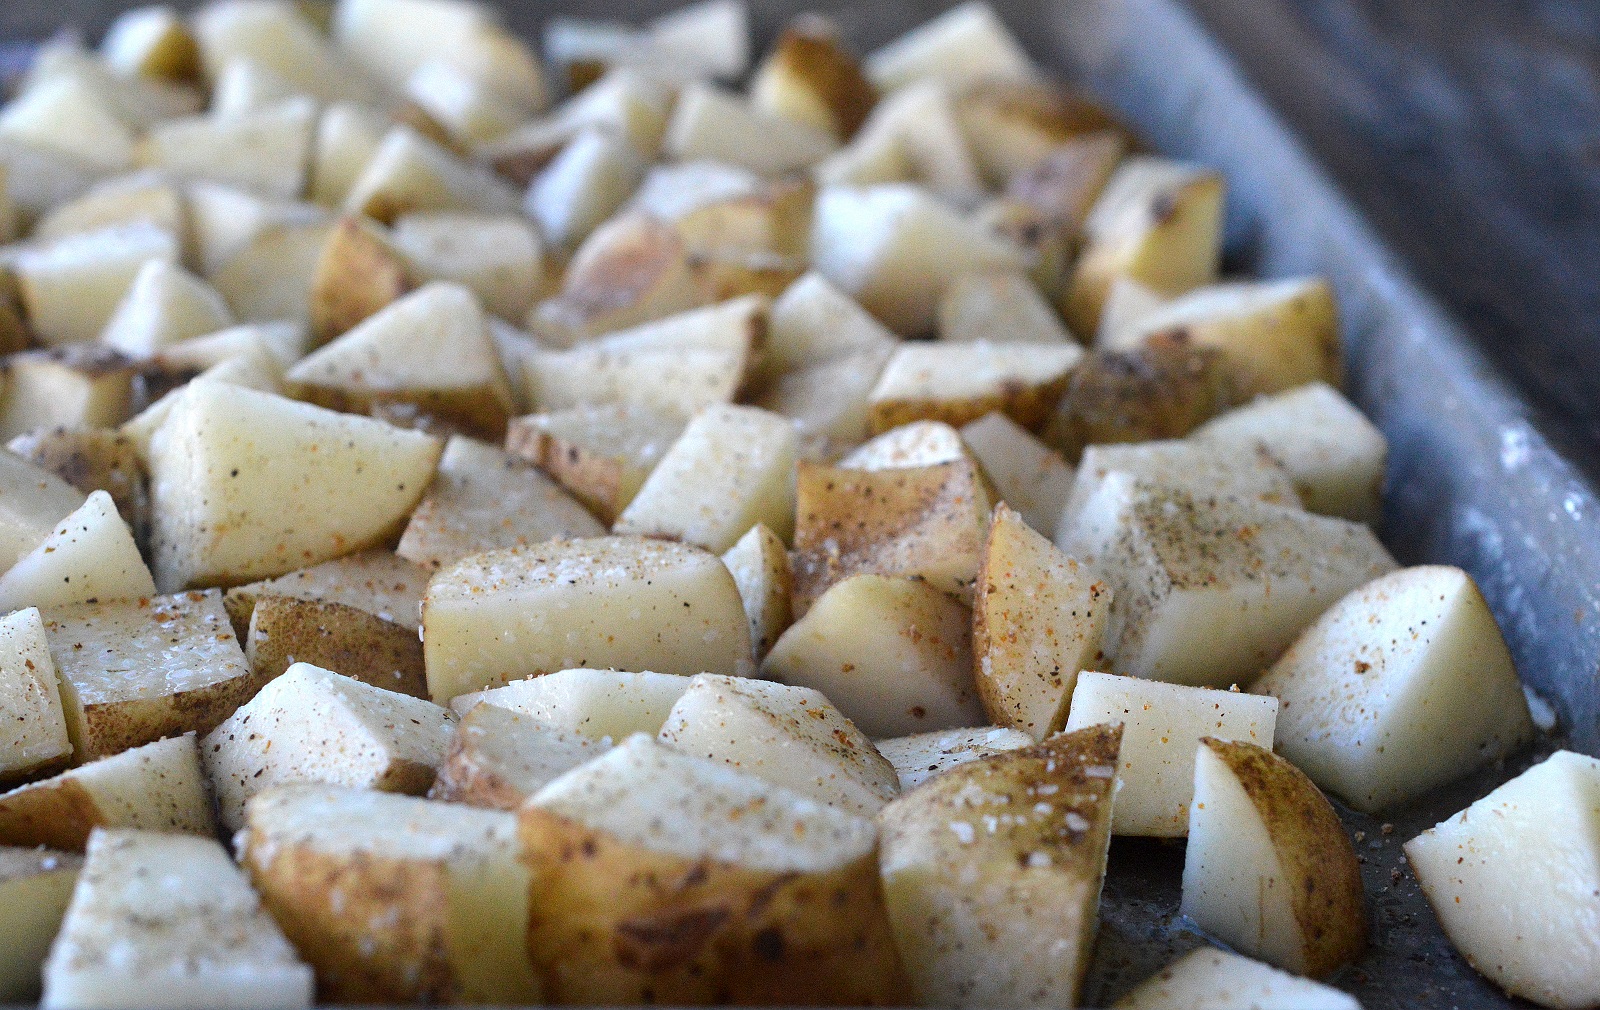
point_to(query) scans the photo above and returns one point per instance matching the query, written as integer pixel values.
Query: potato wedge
(1213, 979)
(91, 459)
(35, 888)
(601, 454)
(32, 501)
(810, 77)
(164, 305)
(359, 272)
(33, 736)
(608, 705)
(70, 286)
(500, 757)
(759, 565)
(334, 636)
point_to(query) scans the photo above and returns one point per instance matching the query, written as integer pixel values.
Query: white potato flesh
(609, 705)
(171, 918)
(1161, 726)
(32, 501)
(913, 135)
(1028, 475)
(246, 86)
(594, 174)
(234, 231)
(500, 757)
(377, 581)
(265, 151)
(35, 888)
(615, 602)
(247, 485)
(759, 564)
(895, 655)
(152, 41)
(1181, 566)
(256, 369)
(950, 379)
(920, 443)
(165, 304)
(469, 109)
(71, 286)
(1515, 882)
(1208, 470)
(711, 124)
(1002, 307)
(602, 454)
(89, 557)
(828, 402)
(409, 173)
(1213, 979)
(498, 258)
(39, 180)
(67, 116)
(73, 387)
(1332, 452)
(285, 340)
(347, 137)
(812, 323)
(732, 468)
(283, 40)
(119, 200)
(965, 43)
(33, 734)
(921, 756)
(790, 736)
(313, 725)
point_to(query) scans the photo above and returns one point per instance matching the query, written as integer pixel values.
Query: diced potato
(170, 918)
(225, 220)
(894, 654)
(158, 786)
(70, 286)
(1028, 475)
(35, 888)
(918, 522)
(1161, 726)
(631, 104)
(1512, 880)
(358, 273)
(608, 705)
(1046, 242)
(1244, 470)
(992, 873)
(394, 899)
(957, 383)
(966, 42)
(790, 736)
(603, 602)
(409, 172)
(581, 187)
(497, 258)
(76, 386)
(1038, 618)
(153, 42)
(1269, 869)
(89, 557)
(709, 39)
(376, 581)
(69, 117)
(732, 468)
(812, 78)
(265, 151)
(284, 40)
(38, 180)
(601, 454)
(714, 125)
(1015, 126)
(912, 135)
(920, 443)
(1181, 567)
(164, 305)
(247, 484)
(500, 757)
(272, 274)
(766, 896)
(759, 565)
(91, 459)
(334, 636)
(285, 341)
(827, 402)
(32, 501)
(813, 323)
(724, 211)
(469, 110)
(1127, 302)
(630, 270)
(1333, 453)
(246, 86)
(257, 369)
(33, 735)
(313, 725)
(999, 308)
(1401, 686)
(921, 756)
(121, 200)
(1213, 979)
(347, 137)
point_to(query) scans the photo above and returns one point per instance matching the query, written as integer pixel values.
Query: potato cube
(827, 402)
(1244, 470)
(151, 42)
(812, 78)
(1161, 726)
(358, 273)
(1026, 474)
(394, 899)
(607, 705)
(33, 735)
(68, 116)
(921, 756)
(265, 151)
(998, 308)
(90, 557)
(965, 43)
(32, 501)
(284, 631)
(581, 187)
(409, 172)
(1014, 126)
(602, 602)
(759, 564)
(70, 286)
(284, 341)
(165, 304)
(957, 383)
(709, 124)
(1212, 979)
(158, 786)
(497, 258)
(271, 275)
(91, 459)
(813, 323)
(630, 270)
(35, 888)
(78, 386)
(118, 201)
(170, 918)
(313, 725)
(1401, 686)
(500, 757)
(602, 454)
(348, 135)
(283, 39)
(376, 581)
(920, 443)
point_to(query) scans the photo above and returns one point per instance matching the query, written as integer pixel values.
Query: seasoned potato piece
(1268, 869)
(284, 340)
(376, 581)
(164, 305)
(602, 602)
(992, 872)
(921, 756)
(920, 443)
(497, 258)
(32, 501)
(713, 125)
(965, 43)
(270, 275)
(91, 459)
(347, 137)
(630, 270)
(285, 40)
(1512, 879)
(158, 786)
(1181, 567)
(732, 468)
(1401, 686)
(925, 522)
(137, 670)
(394, 899)
(1046, 243)
(999, 308)
(247, 484)
(33, 734)
(358, 273)
(313, 725)
(813, 323)
(601, 454)
(153, 42)
(499, 757)
(122, 200)
(170, 918)
(1161, 726)
(1212, 979)
(89, 557)
(694, 882)
(582, 186)
(68, 387)
(759, 565)
(1039, 617)
(35, 888)
(408, 172)
(1026, 474)
(600, 704)
(265, 151)
(828, 402)
(812, 78)
(913, 135)
(957, 383)
(284, 631)
(894, 654)
(1244, 470)
(484, 499)
(1014, 125)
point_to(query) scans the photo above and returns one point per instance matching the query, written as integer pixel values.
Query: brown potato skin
(123, 725)
(810, 53)
(285, 630)
(357, 274)
(615, 924)
(1028, 404)
(58, 816)
(592, 478)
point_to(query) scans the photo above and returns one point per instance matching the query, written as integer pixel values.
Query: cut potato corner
(247, 86)
(810, 77)
(265, 151)
(91, 556)
(1243, 470)
(713, 125)
(993, 869)
(32, 501)
(812, 323)
(759, 564)
(171, 918)
(255, 369)
(1513, 880)
(67, 116)
(469, 110)
(499, 258)
(1046, 244)
(1026, 474)
(1038, 618)
(359, 272)
(630, 270)
(958, 383)
(1213, 979)
(965, 43)
(284, 40)
(92, 458)
(313, 725)
(334, 636)
(1401, 686)
(33, 738)
(920, 443)
(601, 454)
(1000, 308)
(790, 736)
(607, 602)
(164, 305)
(1161, 726)
(782, 892)
(1269, 869)
(894, 655)
(120, 200)
(409, 172)
(394, 899)
(915, 136)
(605, 705)
(70, 286)
(253, 457)
(77, 386)
(151, 42)
(376, 581)
(347, 137)
(35, 888)
(158, 787)
(224, 220)
(583, 186)
(1014, 127)
(1127, 303)
(271, 275)
(39, 180)
(500, 757)
(485, 499)
(921, 756)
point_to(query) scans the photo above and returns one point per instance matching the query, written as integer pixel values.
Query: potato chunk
(33, 732)
(583, 186)
(313, 725)
(500, 757)
(32, 501)
(965, 43)
(812, 78)
(709, 124)
(1212, 979)
(1027, 475)
(602, 454)
(661, 875)
(171, 918)
(90, 556)
(812, 323)
(496, 257)
(961, 382)
(376, 581)
(1401, 686)
(394, 899)
(35, 888)
(1203, 469)
(999, 308)
(992, 872)
(92, 459)
(78, 386)
(602, 602)
(265, 151)
(759, 565)
(921, 756)
(165, 305)
(284, 630)
(607, 705)
(1513, 877)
